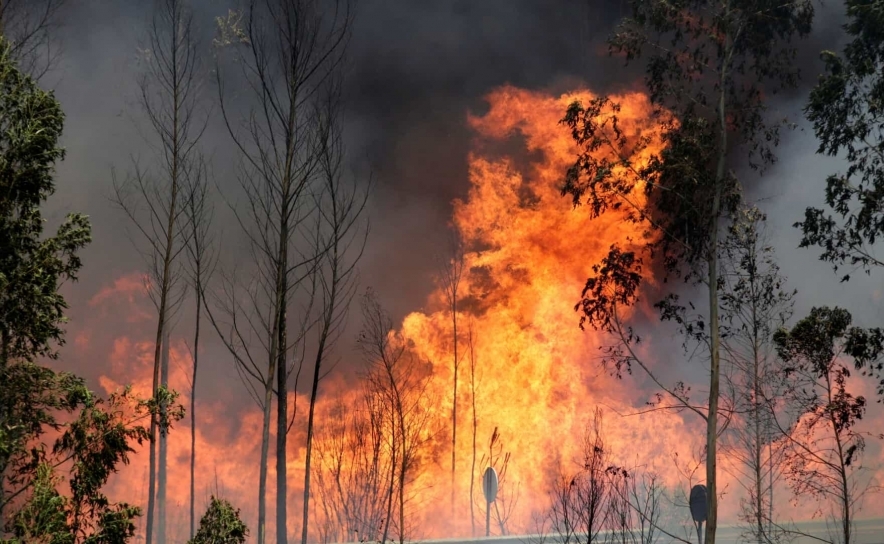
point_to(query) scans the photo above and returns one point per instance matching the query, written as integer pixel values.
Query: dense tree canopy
(847, 111)
(31, 267)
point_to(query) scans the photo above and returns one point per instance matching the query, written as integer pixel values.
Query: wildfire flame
(537, 378)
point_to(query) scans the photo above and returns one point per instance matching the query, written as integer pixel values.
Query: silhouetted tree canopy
(847, 111)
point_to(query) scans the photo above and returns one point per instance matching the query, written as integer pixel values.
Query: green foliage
(847, 111)
(826, 449)
(31, 268)
(44, 517)
(812, 350)
(95, 444)
(709, 67)
(32, 398)
(93, 436)
(220, 525)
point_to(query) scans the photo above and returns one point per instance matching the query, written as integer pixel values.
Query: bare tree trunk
(714, 325)
(308, 454)
(756, 414)
(282, 391)
(196, 343)
(846, 496)
(163, 448)
(454, 405)
(393, 469)
(169, 97)
(265, 447)
(451, 271)
(395, 374)
(202, 261)
(715, 339)
(475, 432)
(292, 48)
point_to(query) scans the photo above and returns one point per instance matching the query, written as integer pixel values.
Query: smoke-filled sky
(416, 71)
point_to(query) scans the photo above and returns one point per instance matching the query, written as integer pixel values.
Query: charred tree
(755, 304)
(450, 277)
(340, 242)
(471, 347)
(28, 27)
(286, 51)
(201, 263)
(400, 379)
(153, 199)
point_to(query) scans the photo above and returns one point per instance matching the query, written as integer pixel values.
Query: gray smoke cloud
(415, 70)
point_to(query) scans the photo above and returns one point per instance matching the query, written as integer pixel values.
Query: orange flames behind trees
(537, 379)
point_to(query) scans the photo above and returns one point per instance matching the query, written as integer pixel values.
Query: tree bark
(196, 344)
(282, 429)
(163, 448)
(714, 325)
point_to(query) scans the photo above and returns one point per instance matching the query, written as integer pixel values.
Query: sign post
(698, 507)
(489, 487)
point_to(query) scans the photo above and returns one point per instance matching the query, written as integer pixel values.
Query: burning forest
(576, 280)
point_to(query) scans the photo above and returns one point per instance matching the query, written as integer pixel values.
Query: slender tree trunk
(163, 448)
(152, 482)
(402, 470)
(756, 403)
(161, 324)
(196, 347)
(166, 279)
(265, 447)
(712, 420)
(714, 329)
(843, 482)
(308, 457)
(403, 441)
(4, 363)
(282, 429)
(314, 390)
(475, 429)
(393, 469)
(454, 402)
(759, 506)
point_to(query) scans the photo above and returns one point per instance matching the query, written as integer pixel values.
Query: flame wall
(537, 376)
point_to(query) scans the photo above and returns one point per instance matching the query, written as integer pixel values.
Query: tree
(450, 277)
(825, 447)
(27, 26)
(43, 518)
(352, 469)
(32, 268)
(400, 380)
(290, 50)
(97, 441)
(634, 506)
(471, 346)
(710, 66)
(847, 114)
(220, 525)
(155, 201)
(846, 109)
(339, 243)
(202, 260)
(754, 305)
(580, 500)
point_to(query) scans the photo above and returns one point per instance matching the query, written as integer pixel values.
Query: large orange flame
(537, 376)
(529, 252)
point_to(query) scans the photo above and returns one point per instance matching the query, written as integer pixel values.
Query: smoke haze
(417, 71)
